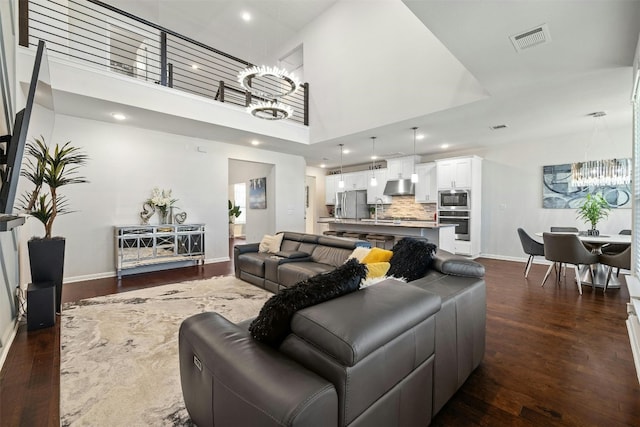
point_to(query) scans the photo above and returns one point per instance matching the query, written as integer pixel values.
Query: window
(240, 200)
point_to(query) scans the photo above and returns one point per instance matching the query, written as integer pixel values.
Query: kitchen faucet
(376, 208)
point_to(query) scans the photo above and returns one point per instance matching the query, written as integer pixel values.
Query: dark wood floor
(552, 358)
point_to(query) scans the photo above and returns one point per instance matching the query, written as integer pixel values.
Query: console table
(143, 248)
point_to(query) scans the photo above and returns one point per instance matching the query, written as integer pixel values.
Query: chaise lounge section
(390, 354)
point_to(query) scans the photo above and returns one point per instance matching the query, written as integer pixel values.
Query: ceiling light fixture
(374, 181)
(443, 146)
(600, 172)
(414, 175)
(341, 182)
(246, 16)
(118, 116)
(255, 142)
(271, 108)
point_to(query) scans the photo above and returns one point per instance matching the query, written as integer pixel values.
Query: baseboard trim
(5, 348)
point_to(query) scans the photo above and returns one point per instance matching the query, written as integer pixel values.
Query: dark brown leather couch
(301, 256)
(388, 355)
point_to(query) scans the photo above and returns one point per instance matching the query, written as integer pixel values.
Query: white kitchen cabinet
(330, 188)
(401, 167)
(454, 173)
(374, 193)
(356, 180)
(426, 188)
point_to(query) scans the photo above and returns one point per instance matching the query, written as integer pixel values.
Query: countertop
(384, 223)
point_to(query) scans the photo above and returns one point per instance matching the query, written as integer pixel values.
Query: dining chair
(616, 248)
(619, 260)
(567, 248)
(564, 230)
(530, 247)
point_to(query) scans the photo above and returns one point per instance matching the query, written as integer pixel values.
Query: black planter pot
(593, 232)
(46, 259)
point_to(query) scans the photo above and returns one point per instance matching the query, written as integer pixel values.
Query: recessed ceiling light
(194, 66)
(118, 116)
(255, 142)
(322, 165)
(420, 136)
(374, 157)
(346, 151)
(443, 146)
(246, 16)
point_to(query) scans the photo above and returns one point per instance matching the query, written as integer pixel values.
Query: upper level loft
(101, 55)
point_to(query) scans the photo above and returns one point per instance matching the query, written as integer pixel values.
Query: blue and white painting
(557, 192)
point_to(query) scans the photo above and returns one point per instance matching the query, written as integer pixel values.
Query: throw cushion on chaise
(412, 258)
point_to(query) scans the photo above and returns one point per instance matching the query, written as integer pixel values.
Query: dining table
(596, 243)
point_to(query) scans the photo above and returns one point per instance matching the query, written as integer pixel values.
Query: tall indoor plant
(594, 208)
(234, 212)
(48, 170)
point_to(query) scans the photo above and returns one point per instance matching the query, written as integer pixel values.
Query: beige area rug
(119, 356)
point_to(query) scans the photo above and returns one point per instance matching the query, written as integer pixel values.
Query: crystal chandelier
(269, 108)
(601, 172)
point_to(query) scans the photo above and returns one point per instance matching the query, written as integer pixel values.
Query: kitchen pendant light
(341, 182)
(374, 181)
(414, 175)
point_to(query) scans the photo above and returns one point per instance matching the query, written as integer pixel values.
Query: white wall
(126, 163)
(512, 188)
(320, 208)
(383, 66)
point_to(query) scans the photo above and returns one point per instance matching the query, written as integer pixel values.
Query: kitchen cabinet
(374, 193)
(401, 167)
(330, 189)
(454, 173)
(426, 188)
(356, 180)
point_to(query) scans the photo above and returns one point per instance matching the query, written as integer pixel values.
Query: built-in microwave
(453, 199)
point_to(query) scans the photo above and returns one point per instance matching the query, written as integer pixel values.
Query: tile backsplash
(406, 207)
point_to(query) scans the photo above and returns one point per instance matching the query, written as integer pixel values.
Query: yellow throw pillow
(377, 255)
(270, 243)
(377, 269)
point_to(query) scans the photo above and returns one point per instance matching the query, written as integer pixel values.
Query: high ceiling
(540, 92)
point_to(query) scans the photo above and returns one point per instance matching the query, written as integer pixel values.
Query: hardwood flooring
(553, 358)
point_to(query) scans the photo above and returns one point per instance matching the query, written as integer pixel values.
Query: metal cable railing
(101, 35)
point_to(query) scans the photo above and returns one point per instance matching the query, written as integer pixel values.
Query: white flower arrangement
(161, 200)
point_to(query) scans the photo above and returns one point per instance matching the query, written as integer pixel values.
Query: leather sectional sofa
(301, 256)
(390, 354)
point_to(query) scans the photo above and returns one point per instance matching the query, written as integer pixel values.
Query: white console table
(144, 248)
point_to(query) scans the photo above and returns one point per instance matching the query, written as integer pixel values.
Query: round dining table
(596, 243)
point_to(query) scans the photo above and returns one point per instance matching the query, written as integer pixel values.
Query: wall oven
(454, 199)
(458, 218)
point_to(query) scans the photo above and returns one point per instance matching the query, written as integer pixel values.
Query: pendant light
(341, 182)
(414, 175)
(374, 181)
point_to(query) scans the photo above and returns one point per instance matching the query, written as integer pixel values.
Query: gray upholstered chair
(619, 260)
(564, 229)
(567, 248)
(616, 248)
(531, 248)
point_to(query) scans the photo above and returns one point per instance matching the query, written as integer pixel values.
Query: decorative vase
(163, 214)
(46, 260)
(593, 232)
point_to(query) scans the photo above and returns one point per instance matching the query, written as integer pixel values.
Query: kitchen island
(442, 235)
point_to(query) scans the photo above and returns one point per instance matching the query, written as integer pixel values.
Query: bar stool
(382, 239)
(333, 233)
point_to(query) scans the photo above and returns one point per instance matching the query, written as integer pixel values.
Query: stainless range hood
(399, 187)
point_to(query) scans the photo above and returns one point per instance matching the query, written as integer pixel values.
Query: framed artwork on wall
(258, 193)
(557, 192)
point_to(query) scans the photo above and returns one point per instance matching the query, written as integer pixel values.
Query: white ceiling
(544, 91)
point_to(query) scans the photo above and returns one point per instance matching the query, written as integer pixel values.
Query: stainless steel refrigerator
(352, 204)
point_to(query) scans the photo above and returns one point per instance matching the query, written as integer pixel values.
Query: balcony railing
(104, 36)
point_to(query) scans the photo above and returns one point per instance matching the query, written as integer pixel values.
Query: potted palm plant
(48, 170)
(234, 212)
(594, 208)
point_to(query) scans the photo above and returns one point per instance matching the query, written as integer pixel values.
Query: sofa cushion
(448, 263)
(411, 258)
(291, 273)
(270, 243)
(330, 255)
(377, 255)
(377, 269)
(273, 322)
(253, 263)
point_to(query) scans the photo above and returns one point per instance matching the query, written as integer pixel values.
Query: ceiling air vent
(530, 38)
(496, 127)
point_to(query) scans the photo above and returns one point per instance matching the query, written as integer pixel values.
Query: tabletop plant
(48, 171)
(594, 208)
